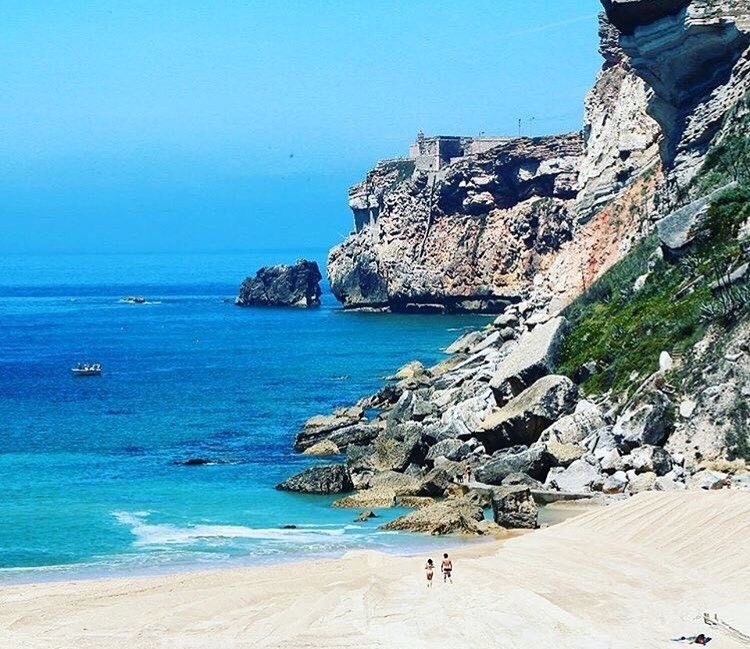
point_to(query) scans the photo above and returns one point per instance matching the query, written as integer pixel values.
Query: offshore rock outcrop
(282, 285)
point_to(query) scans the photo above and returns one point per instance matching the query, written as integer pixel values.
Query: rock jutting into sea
(283, 285)
(475, 223)
(618, 259)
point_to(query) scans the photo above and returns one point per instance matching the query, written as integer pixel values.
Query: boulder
(564, 454)
(359, 461)
(365, 516)
(455, 469)
(534, 462)
(506, 333)
(398, 446)
(434, 483)
(342, 431)
(421, 409)
(648, 422)
(602, 442)
(523, 419)
(615, 483)
(515, 479)
(678, 229)
(709, 480)
(514, 507)
(643, 482)
(408, 371)
(665, 362)
(574, 428)
(579, 477)
(465, 342)
(687, 408)
(480, 496)
(374, 497)
(668, 483)
(646, 459)
(326, 447)
(610, 460)
(531, 359)
(400, 483)
(329, 479)
(505, 320)
(451, 516)
(282, 285)
(448, 448)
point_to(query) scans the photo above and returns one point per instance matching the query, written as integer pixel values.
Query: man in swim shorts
(447, 568)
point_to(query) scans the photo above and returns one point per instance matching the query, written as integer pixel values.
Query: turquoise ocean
(90, 470)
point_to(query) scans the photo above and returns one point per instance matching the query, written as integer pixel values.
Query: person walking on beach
(447, 568)
(468, 475)
(430, 570)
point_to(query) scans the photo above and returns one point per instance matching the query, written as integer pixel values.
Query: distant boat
(87, 369)
(134, 299)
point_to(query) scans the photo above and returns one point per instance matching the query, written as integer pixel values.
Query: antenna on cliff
(531, 126)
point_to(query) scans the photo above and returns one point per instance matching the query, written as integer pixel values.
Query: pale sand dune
(630, 575)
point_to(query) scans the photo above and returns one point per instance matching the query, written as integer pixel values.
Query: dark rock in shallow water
(199, 461)
(364, 516)
(514, 507)
(329, 479)
(451, 516)
(341, 431)
(282, 285)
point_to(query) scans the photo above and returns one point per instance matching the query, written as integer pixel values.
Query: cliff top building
(434, 153)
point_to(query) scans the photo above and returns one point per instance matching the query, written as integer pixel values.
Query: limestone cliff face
(621, 138)
(483, 224)
(695, 60)
(466, 238)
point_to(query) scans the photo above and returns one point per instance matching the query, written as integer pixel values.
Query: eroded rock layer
(486, 223)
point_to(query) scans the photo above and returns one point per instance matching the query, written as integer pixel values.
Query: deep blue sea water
(88, 472)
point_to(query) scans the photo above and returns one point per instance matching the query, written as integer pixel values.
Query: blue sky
(209, 126)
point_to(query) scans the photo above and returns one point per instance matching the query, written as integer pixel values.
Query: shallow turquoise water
(87, 465)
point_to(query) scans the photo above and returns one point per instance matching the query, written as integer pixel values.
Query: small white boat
(87, 369)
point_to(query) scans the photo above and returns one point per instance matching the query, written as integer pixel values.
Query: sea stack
(283, 285)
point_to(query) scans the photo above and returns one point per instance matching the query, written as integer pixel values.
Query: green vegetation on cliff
(623, 329)
(729, 159)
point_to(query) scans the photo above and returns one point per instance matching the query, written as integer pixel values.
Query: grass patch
(623, 330)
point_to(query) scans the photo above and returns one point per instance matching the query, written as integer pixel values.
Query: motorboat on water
(87, 369)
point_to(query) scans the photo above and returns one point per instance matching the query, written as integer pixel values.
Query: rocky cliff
(695, 60)
(484, 228)
(543, 218)
(621, 260)
(464, 239)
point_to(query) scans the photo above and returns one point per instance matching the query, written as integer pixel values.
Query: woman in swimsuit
(429, 568)
(447, 568)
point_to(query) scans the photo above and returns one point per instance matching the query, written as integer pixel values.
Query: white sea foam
(159, 534)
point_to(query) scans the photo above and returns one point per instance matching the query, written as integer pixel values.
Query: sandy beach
(633, 574)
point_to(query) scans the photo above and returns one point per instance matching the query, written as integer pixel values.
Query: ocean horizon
(91, 468)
